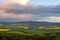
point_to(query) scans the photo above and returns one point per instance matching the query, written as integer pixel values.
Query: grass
(55, 28)
(5, 29)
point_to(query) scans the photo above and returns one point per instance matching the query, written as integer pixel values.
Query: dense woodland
(15, 36)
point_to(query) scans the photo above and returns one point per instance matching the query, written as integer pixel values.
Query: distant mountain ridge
(31, 23)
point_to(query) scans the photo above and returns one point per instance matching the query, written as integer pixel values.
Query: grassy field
(4, 29)
(24, 33)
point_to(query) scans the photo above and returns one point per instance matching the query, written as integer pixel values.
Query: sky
(29, 10)
(45, 2)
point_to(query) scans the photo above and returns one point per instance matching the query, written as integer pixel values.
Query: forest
(16, 36)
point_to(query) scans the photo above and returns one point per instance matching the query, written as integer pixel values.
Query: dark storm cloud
(13, 10)
(39, 10)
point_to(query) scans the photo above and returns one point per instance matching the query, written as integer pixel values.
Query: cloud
(23, 2)
(15, 11)
(51, 19)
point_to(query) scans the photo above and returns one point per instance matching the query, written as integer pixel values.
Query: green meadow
(17, 31)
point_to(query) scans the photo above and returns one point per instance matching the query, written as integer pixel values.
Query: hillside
(29, 24)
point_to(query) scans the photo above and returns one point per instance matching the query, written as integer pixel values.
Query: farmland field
(28, 31)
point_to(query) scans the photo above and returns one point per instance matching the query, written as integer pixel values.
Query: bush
(15, 36)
